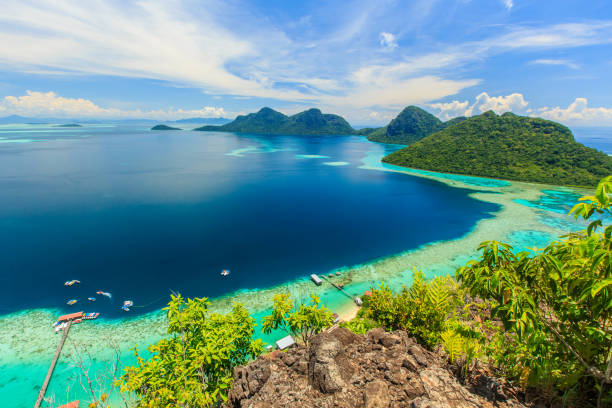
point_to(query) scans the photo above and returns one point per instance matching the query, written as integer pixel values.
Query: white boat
(225, 272)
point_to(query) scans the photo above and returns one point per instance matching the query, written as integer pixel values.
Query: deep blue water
(139, 213)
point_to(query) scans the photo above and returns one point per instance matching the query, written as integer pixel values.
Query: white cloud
(227, 49)
(561, 62)
(48, 104)
(508, 4)
(449, 110)
(483, 102)
(388, 40)
(577, 113)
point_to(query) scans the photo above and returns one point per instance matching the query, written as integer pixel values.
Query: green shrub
(555, 306)
(302, 322)
(194, 366)
(421, 310)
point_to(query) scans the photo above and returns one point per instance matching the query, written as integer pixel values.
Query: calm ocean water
(139, 213)
(599, 138)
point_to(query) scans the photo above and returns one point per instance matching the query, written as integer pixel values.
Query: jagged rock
(376, 395)
(328, 366)
(342, 370)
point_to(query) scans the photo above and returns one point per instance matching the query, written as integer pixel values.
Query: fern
(453, 344)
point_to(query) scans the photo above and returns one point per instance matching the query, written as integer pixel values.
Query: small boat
(90, 316)
(126, 305)
(107, 294)
(337, 273)
(91, 299)
(71, 302)
(71, 282)
(60, 326)
(225, 272)
(330, 276)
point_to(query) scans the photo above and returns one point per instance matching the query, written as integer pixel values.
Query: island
(411, 125)
(508, 147)
(271, 122)
(164, 127)
(69, 125)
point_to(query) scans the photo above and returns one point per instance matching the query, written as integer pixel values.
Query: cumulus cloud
(49, 104)
(483, 102)
(388, 40)
(578, 113)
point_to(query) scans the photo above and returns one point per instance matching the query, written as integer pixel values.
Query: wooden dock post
(43, 390)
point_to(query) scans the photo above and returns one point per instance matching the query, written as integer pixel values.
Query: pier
(43, 390)
(355, 299)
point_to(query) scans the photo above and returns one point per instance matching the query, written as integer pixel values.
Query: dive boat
(126, 305)
(107, 294)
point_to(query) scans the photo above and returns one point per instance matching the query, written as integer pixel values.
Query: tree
(555, 305)
(421, 310)
(193, 367)
(303, 322)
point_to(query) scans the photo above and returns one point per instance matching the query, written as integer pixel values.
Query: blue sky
(365, 60)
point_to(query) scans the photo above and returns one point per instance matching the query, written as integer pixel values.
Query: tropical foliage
(509, 147)
(555, 306)
(412, 124)
(269, 121)
(193, 367)
(302, 322)
(422, 310)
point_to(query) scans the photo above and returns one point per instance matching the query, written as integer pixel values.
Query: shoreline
(520, 219)
(434, 258)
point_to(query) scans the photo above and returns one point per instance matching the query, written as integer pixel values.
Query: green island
(508, 147)
(69, 125)
(269, 121)
(164, 127)
(510, 329)
(411, 125)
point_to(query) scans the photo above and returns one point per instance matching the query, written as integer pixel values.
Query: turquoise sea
(140, 214)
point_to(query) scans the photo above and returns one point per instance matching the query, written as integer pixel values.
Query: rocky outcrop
(342, 369)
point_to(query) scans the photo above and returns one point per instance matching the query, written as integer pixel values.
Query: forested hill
(509, 147)
(269, 121)
(411, 125)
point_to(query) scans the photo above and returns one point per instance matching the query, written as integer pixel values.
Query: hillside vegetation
(411, 125)
(509, 147)
(269, 121)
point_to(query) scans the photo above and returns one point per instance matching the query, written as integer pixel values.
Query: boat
(225, 272)
(107, 294)
(91, 299)
(126, 305)
(71, 282)
(71, 302)
(337, 273)
(90, 316)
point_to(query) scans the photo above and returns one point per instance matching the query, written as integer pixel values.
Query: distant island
(269, 121)
(509, 147)
(69, 125)
(411, 125)
(164, 127)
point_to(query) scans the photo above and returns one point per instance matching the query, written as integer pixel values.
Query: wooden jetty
(43, 390)
(355, 299)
